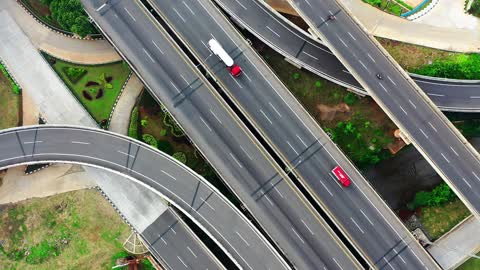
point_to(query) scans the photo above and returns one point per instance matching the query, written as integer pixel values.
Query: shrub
(163, 132)
(166, 147)
(99, 94)
(318, 84)
(350, 98)
(86, 95)
(150, 140)
(71, 16)
(296, 75)
(74, 74)
(180, 156)
(462, 66)
(133, 126)
(91, 83)
(16, 89)
(440, 195)
(144, 122)
(174, 128)
(109, 79)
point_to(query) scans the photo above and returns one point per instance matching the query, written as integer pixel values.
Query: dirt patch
(339, 112)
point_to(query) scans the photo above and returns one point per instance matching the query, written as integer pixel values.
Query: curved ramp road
(358, 211)
(298, 46)
(278, 207)
(442, 145)
(164, 175)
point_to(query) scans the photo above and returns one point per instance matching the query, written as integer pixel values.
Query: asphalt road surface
(454, 159)
(358, 211)
(299, 46)
(164, 175)
(279, 208)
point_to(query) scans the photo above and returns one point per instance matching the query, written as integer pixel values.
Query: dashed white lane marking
(276, 34)
(432, 127)
(238, 2)
(369, 221)
(236, 160)
(356, 224)
(174, 232)
(365, 67)
(292, 148)
(300, 139)
(400, 256)
(191, 251)
(191, 11)
(121, 152)
(435, 95)
(178, 90)
(390, 79)
(391, 266)
(405, 112)
(341, 40)
(264, 115)
(163, 240)
(169, 175)
(411, 103)
(183, 78)
(275, 109)
(180, 259)
(206, 203)
(308, 228)
(445, 157)
(455, 152)
(149, 56)
(156, 46)
(424, 134)
(371, 58)
(205, 123)
(130, 14)
(384, 89)
(351, 35)
(476, 176)
(473, 97)
(468, 184)
(321, 182)
(236, 81)
(243, 239)
(246, 153)
(32, 142)
(337, 263)
(214, 115)
(77, 142)
(268, 199)
(179, 15)
(310, 55)
(298, 235)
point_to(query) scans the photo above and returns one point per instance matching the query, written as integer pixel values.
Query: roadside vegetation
(10, 101)
(439, 210)
(475, 8)
(433, 62)
(356, 124)
(95, 86)
(395, 7)
(470, 264)
(74, 230)
(67, 15)
(152, 124)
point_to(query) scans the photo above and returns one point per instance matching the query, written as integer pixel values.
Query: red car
(341, 176)
(235, 70)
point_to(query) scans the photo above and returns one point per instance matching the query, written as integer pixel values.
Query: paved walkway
(75, 50)
(121, 115)
(450, 14)
(451, 249)
(459, 37)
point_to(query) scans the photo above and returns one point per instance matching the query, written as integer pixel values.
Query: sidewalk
(121, 115)
(445, 36)
(75, 50)
(450, 250)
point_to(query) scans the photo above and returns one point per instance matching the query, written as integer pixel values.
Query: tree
(71, 16)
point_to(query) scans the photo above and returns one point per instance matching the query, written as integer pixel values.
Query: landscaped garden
(74, 230)
(395, 7)
(150, 123)
(356, 124)
(96, 86)
(10, 101)
(67, 15)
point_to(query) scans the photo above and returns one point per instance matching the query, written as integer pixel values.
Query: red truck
(341, 176)
(218, 50)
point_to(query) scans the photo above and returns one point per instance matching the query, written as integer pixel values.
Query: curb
(117, 99)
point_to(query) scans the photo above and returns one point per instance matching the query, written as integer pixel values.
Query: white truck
(218, 50)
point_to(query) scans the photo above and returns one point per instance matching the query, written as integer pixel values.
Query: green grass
(373, 129)
(391, 7)
(460, 66)
(437, 220)
(470, 264)
(9, 103)
(475, 8)
(74, 230)
(99, 108)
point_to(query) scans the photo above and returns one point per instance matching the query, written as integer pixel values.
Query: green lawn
(74, 230)
(101, 105)
(437, 220)
(395, 7)
(470, 264)
(359, 126)
(9, 103)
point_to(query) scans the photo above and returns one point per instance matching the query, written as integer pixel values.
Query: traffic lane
(170, 239)
(141, 65)
(147, 61)
(295, 231)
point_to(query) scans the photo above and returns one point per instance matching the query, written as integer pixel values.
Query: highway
(302, 49)
(279, 208)
(159, 172)
(449, 153)
(358, 211)
(170, 240)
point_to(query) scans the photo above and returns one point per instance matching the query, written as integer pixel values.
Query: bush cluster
(70, 16)
(133, 127)
(438, 196)
(16, 89)
(462, 66)
(74, 74)
(150, 140)
(174, 128)
(180, 156)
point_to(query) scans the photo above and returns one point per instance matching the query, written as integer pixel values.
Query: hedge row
(133, 127)
(16, 89)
